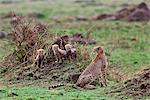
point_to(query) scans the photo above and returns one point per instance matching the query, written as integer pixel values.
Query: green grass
(128, 56)
(63, 93)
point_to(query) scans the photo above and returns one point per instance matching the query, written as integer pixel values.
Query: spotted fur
(96, 70)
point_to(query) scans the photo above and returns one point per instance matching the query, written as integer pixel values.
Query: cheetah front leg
(56, 58)
(102, 80)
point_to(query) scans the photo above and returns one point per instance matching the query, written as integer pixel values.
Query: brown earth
(137, 87)
(18, 67)
(15, 73)
(140, 12)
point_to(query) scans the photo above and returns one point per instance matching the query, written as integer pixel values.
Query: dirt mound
(19, 66)
(139, 15)
(140, 12)
(104, 16)
(79, 38)
(137, 87)
(15, 72)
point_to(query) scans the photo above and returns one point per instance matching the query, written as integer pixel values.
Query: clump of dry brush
(29, 36)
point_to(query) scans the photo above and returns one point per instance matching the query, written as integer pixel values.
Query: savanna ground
(132, 41)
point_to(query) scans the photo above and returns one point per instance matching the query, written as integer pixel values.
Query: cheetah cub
(58, 53)
(39, 58)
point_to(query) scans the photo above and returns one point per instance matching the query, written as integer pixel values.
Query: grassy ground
(132, 42)
(63, 93)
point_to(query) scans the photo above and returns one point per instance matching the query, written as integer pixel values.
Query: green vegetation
(131, 54)
(63, 93)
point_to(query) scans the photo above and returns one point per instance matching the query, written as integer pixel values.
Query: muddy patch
(137, 87)
(140, 12)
